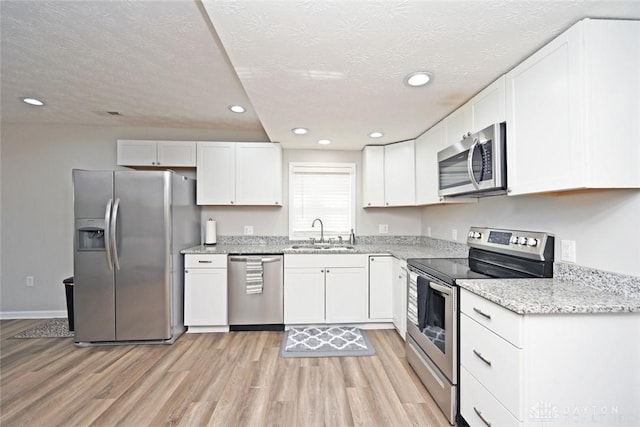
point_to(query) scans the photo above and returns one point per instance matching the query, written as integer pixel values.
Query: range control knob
(470, 235)
(522, 240)
(477, 235)
(513, 240)
(532, 241)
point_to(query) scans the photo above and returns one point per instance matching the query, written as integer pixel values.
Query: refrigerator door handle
(113, 238)
(107, 225)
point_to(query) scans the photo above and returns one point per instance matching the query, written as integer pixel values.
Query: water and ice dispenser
(90, 234)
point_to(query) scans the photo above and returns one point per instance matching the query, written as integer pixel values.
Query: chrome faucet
(313, 224)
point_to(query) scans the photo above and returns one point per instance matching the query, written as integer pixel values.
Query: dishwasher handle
(244, 259)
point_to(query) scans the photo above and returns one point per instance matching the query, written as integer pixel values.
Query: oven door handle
(444, 289)
(475, 183)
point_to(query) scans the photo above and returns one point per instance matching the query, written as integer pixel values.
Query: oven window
(431, 314)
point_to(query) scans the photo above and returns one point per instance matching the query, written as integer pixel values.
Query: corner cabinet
(380, 288)
(388, 177)
(205, 291)
(321, 289)
(131, 152)
(573, 109)
(239, 173)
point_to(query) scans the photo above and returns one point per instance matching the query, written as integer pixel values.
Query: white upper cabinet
(239, 173)
(457, 125)
(388, 175)
(399, 173)
(572, 111)
(258, 174)
(156, 153)
(373, 176)
(488, 106)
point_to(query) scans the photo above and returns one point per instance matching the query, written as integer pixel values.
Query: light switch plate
(454, 234)
(248, 230)
(383, 228)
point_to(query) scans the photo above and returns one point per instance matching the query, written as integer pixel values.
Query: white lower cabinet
(547, 369)
(325, 289)
(380, 288)
(399, 296)
(205, 290)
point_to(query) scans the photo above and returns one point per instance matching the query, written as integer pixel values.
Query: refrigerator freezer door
(94, 293)
(143, 237)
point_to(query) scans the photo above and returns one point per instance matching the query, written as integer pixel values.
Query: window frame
(348, 167)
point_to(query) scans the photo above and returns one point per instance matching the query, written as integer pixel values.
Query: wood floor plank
(218, 379)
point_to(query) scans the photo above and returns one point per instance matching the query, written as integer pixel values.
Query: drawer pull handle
(481, 417)
(481, 313)
(204, 262)
(477, 353)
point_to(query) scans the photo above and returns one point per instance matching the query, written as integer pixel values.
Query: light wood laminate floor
(234, 379)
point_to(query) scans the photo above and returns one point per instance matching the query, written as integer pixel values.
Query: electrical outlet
(569, 250)
(29, 281)
(383, 228)
(454, 234)
(429, 231)
(248, 230)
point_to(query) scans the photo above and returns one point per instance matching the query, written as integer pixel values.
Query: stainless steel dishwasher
(251, 309)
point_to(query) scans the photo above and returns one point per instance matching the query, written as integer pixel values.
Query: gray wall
(36, 210)
(604, 224)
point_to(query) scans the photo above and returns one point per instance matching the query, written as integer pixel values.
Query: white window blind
(325, 191)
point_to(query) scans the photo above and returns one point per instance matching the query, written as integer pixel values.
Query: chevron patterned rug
(333, 341)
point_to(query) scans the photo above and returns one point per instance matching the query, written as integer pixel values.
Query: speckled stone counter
(400, 248)
(551, 296)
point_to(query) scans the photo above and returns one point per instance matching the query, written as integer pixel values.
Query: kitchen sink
(327, 248)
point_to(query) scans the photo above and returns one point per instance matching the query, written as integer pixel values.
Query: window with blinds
(321, 190)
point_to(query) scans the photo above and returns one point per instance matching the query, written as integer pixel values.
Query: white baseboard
(5, 315)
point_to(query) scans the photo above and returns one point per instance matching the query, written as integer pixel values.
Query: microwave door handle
(473, 147)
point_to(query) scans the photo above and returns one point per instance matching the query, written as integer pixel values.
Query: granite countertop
(551, 296)
(401, 251)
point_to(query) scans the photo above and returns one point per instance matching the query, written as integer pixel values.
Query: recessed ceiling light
(324, 142)
(299, 131)
(237, 108)
(375, 134)
(419, 78)
(33, 101)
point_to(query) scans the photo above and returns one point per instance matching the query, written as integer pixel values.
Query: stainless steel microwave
(476, 166)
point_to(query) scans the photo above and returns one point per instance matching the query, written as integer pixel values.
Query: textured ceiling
(335, 67)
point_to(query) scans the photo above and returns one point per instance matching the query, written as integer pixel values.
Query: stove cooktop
(447, 269)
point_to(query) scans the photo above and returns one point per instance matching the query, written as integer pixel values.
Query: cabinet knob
(186, 271)
(321, 271)
(328, 271)
(277, 203)
(368, 204)
(153, 163)
(232, 202)
(387, 203)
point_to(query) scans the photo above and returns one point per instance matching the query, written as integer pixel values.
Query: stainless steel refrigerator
(128, 278)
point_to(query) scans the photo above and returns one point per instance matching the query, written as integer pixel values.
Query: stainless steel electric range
(432, 303)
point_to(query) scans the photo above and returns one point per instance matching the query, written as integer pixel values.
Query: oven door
(432, 322)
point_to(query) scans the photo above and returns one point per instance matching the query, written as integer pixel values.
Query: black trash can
(68, 289)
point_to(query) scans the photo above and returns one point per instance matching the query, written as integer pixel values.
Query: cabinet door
(399, 296)
(205, 297)
(488, 107)
(215, 173)
(303, 295)
(346, 295)
(542, 109)
(136, 153)
(258, 174)
(380, 288)
(427, 146)
(458, 124)
(399, 173)
(176, 153)
(373, 176)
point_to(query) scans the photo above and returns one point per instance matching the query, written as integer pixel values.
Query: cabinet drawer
(503, 322)
(496, 363)
(205, 261)
(479, 407)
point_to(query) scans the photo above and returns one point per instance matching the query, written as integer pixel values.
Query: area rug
(334, 341)
(54, 328)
